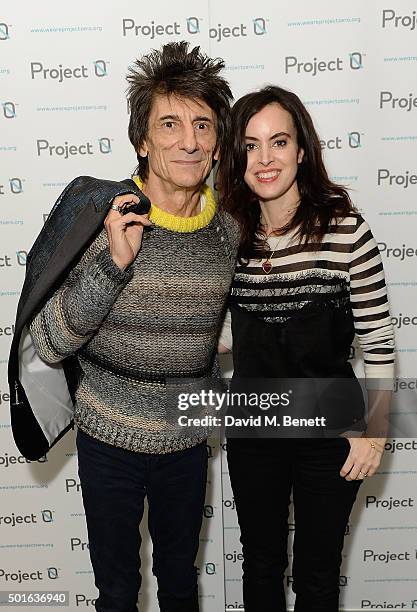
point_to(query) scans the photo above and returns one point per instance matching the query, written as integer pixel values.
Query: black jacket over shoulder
(41, 403)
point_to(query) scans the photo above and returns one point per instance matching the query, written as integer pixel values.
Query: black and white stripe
(345, 267)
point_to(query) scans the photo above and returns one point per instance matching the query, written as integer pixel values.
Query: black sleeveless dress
(308, 353)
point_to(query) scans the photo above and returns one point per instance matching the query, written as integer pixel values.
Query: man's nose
(189, 139)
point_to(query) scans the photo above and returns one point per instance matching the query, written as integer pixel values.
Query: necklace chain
(267, 264)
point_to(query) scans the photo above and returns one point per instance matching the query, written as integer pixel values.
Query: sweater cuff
(105, 272)
(380, 377)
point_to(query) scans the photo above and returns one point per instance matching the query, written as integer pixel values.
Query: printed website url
(69, 29)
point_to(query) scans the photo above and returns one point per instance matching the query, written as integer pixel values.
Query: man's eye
(168, 124)
(202, 126)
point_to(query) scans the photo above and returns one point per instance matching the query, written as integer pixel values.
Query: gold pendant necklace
(267, 264)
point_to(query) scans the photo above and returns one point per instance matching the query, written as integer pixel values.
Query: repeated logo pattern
(62, 114)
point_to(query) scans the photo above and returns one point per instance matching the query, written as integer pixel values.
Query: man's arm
(76, 310)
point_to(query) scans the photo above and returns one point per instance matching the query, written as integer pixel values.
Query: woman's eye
(280, 143)
(250, 146)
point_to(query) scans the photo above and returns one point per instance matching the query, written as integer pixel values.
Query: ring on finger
(115, 207)
(364, 474)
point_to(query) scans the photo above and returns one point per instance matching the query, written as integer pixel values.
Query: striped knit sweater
(346, 266)
(131, 330)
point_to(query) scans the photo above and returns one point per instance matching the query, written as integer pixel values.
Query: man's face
(181, 141)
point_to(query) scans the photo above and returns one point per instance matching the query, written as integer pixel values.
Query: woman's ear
(300, 155)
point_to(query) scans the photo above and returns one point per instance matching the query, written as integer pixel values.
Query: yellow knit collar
(183, 224)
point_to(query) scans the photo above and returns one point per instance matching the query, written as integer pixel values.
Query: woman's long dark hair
(321, 200)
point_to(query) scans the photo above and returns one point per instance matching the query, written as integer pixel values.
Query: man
(143, 304)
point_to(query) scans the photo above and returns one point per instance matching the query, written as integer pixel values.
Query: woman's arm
(375, 332)
(369, 302)
(225, 340)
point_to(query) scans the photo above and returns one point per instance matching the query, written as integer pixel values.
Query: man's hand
(125, 231)
(364, 458)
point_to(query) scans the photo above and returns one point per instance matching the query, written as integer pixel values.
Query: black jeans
(114, 483)
(262, 474)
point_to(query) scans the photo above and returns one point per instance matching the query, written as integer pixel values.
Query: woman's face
(273, 155)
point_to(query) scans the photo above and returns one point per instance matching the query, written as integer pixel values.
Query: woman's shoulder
(351, 222)
(352, 229)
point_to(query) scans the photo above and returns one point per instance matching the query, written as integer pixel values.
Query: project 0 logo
(404, 179)
(257, 26)
(66, 150)
(314, 66)
(18, 576)
(234, 557)
(7, 460)
(402, 252)
(351, 140)
(12, 185)
(72, 486)
(393, 446)
(7, 330)
(401, 320)
(367, 604)
(392, 19)
(208, 511)
(4, 398)
(343, 580)
(9, 110)
(403, 385)
(12, 519)
(370, 556)
(78, 544)
(61, 73)
(82, 600)
(405, 103)
(389, 503)
(291, 528)
(4, 31)
(210, 569)
(8, 261)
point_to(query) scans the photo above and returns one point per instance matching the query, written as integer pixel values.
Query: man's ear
(300, 155)
(143, 149)
(216, 154)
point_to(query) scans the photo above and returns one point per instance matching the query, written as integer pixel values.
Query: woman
(309, 276)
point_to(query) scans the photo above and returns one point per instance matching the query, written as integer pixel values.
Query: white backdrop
(63, 113)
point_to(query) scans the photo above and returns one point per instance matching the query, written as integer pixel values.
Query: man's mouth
(187, 162)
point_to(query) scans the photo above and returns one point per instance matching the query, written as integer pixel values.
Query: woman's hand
(363, 459)
(222, 349)
(125, 231)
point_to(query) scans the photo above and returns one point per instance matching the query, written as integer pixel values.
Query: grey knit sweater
(131, 330)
